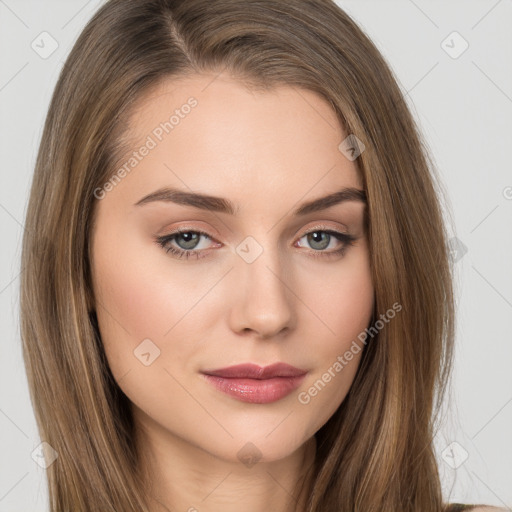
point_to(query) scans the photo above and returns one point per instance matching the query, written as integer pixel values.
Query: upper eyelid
(205, 233)
(171, 236)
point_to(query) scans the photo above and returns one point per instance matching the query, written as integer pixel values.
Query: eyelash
(163, 241)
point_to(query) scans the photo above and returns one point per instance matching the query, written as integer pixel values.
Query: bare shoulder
(488, 508)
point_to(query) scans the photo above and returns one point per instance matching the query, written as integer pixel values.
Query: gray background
(464, 107)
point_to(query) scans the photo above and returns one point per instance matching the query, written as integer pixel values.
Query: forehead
(210, 132)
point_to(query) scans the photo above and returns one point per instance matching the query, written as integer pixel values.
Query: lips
(254, 384)
(253, 371)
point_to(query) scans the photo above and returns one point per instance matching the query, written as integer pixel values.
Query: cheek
(343, 300)
(343, 310)
(349, 303)
(134, 284)
(137, 303)
(141, 295)
(134, 303)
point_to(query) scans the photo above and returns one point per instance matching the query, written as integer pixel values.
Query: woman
(231, 293)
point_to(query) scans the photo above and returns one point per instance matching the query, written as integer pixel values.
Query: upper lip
(253, 371)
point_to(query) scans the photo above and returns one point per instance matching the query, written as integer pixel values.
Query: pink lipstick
(254, 384)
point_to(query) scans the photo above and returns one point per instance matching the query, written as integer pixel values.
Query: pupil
(189, 239)
(321, 238)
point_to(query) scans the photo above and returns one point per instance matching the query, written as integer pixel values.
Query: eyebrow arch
(221, 205)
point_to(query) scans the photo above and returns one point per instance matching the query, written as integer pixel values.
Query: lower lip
(256, 391)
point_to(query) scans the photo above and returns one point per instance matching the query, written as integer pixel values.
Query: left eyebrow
(322, 203)
(222, 205)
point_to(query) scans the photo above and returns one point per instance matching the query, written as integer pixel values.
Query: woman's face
(263, 284)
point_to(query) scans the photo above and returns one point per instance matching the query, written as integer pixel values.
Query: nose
(261, 302)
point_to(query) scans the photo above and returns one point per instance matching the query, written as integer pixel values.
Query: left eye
(187, 242)
(320, 240)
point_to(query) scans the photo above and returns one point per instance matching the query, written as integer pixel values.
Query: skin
(267, 152)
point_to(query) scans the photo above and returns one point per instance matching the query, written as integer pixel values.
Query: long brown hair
(376, 452)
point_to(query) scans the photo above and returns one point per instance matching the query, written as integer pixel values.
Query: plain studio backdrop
(453, 62)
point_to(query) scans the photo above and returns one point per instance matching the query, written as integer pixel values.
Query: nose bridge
(264, 304)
